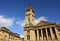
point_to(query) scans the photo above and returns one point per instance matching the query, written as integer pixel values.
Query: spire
(29, 7)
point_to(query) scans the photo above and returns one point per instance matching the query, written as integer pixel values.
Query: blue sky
(12, 12)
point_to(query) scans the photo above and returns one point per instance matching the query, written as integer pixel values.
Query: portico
(46, 34)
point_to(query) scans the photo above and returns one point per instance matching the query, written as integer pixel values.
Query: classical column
(42, 34)
(47, 33)
(52, 36)
(38, 35)
(56, 32)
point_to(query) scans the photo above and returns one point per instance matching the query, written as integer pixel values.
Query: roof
(58, 25)
(29, 7)
(8, 31)
(42, 23)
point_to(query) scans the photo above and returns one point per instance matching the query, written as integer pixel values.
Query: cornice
(4, 29)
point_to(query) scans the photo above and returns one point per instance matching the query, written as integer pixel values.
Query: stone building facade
(43, 31)
(7, 35)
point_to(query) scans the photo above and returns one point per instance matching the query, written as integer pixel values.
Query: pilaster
(32, 35)
(25, 35)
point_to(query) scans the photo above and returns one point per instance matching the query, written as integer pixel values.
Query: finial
(30, 5)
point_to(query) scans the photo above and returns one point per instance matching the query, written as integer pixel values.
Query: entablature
(39, 27)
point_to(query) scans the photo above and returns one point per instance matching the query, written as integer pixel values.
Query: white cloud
(22, 22)
(6, 21)
(40, 19)
(21, 36)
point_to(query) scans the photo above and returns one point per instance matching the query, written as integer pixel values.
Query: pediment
(43, 23)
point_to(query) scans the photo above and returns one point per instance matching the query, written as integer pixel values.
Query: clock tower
(30, 22)
(30, 16)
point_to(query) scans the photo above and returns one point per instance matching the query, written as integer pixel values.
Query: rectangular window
(28, 37)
